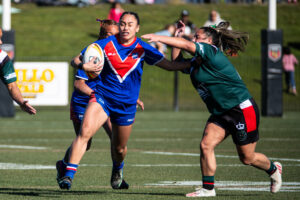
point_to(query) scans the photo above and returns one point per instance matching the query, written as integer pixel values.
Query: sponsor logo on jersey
(101, 100)
(130, 120)
(123, 67)
(80, 116)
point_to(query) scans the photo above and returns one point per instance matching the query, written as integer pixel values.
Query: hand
(91, 66)
(179, 32)
(25, 106)
(140, 104)
(151, 37)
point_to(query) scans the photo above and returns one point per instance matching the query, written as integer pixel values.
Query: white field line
(24, 166)
(21, 147)
(234, 185)
(132, 139)
(16, 166)
(175, 130)
(218, 156)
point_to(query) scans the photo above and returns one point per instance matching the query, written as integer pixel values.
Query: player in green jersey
(233, 110)
(9, 78)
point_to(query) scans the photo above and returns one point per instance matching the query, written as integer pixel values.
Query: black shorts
(241, 122)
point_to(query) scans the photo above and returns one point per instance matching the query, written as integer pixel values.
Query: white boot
(276, 179)
(201, 192)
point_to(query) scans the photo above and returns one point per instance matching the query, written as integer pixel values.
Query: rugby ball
(94, 50)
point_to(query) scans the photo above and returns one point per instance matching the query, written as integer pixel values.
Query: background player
(9, 78)
(116, 94)
(233, 110)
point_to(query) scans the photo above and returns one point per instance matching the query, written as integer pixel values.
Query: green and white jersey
(7, 71)
(217, 81)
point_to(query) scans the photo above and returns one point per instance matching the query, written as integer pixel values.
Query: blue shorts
(77, 112)
(120, 113)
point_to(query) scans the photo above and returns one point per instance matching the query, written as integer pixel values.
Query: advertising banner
(43, 83)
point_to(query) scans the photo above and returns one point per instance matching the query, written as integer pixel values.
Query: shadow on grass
(152, 193)
(45, 192)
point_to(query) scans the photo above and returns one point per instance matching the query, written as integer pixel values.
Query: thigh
(120, 135)
(93, 119)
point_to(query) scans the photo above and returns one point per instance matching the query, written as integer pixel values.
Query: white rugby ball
(94, 50)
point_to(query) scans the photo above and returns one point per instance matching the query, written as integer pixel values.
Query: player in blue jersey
(83, 88)
(233, 110)
(116, 94)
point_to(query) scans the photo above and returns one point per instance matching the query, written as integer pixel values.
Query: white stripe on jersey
(245, 104)
(10, 76)
(3, 54)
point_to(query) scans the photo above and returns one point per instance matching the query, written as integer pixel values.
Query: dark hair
(131, 13)
(286, 50)
(103, 25)
(229, 41)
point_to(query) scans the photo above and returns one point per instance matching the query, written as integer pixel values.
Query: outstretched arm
(173, 65)
(172, 41)
(17, 97)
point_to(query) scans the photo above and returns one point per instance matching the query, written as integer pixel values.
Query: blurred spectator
(115, 11)
(289, 61)
(190, 28)
(214, 19)
(196, 1)
(168, 31)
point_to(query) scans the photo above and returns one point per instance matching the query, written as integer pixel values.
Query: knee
(85, 135)
(246, 159)
(120, 149)
(206, 146)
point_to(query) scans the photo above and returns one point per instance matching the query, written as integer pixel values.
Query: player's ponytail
(229, 41)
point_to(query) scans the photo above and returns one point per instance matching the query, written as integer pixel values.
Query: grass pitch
(162, 160)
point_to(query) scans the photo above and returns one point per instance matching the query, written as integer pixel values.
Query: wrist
(80, 65)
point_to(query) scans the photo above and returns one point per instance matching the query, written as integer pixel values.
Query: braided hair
(229, 41)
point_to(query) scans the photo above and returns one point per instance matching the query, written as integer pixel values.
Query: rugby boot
(65, 182)
(201, 192)
(117, 181)
(276, 179)
(61, 169)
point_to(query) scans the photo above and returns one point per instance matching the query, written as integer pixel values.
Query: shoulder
(204, 48)
(3, 56)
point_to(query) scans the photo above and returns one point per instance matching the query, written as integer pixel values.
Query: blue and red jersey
(120, 79)
(78, 97)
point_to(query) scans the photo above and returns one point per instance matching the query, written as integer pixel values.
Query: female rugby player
(233, 110)
(83, 88)
(116, 95)
(80, 97)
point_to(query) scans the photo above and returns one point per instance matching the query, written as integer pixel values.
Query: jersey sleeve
(206, 51)
(152, 55)
(80, 74)
(7, 71)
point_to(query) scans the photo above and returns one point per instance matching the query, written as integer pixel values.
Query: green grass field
(30, 146)
(59, 33)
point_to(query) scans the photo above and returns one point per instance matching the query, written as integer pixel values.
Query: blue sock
(71, 170)
(117, 166)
